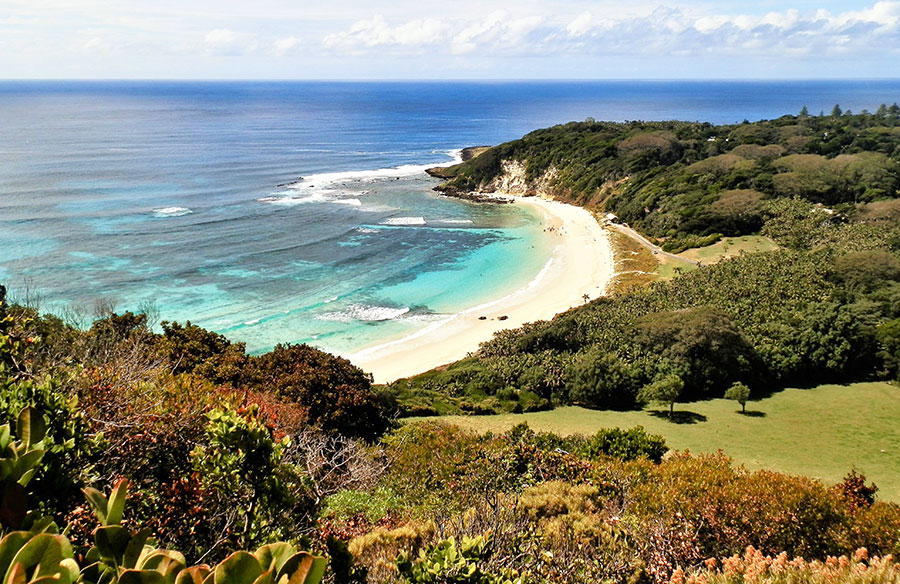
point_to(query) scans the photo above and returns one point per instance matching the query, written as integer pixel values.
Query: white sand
(582, 263)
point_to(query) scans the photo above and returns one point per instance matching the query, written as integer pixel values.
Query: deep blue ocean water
(299, 212)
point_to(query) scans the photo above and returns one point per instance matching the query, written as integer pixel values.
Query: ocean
(299, 212)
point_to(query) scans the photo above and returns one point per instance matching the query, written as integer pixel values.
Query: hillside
(680, 181)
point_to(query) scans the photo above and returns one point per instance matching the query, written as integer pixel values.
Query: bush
(338, 395)
(192, 349)
(626, 444)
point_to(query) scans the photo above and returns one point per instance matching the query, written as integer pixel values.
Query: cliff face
(513, 180)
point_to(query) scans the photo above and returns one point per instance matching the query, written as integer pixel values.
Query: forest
(136, 451)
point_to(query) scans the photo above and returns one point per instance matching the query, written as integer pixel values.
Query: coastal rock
(442, 172)
(511, 180)
(473, 196)
(289, 183)
(466, 154)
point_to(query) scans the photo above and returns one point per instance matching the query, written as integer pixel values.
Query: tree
(665, 390)
(703, 343)
(338, 394)
(192, 349)
(836, 111)
(804, 113)
(740, 393)
(601, 380)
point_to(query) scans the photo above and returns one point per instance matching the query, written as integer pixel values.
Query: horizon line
(448, 80)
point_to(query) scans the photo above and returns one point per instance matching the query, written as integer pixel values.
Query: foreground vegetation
(214, 467)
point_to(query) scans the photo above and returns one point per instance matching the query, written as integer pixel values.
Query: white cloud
(285, 45)
(376, 32)
(226, 42)
(95, 44)
(411, 36)
(581, 25)
(498, 33)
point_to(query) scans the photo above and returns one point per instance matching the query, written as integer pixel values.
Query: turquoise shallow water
(299, 212)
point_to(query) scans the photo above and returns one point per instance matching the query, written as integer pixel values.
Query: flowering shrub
(753, 567)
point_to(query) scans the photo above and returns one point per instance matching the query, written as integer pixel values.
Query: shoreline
(582, 263)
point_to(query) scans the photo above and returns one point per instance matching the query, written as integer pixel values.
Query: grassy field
(822, 432)
(729, 247)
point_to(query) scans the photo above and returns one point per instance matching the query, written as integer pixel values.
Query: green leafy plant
(243, 462)
(447, 562)
(18, 465)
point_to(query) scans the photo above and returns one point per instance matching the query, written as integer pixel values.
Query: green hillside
(680, 180)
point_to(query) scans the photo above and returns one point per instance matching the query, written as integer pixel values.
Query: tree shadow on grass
(678, 416)
(753, 414)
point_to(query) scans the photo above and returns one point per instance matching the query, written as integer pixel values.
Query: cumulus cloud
(497, 32)
(285, 45)
(95, 44)
(226, 42)
(377, 32)
(664, 29)
(580, 25)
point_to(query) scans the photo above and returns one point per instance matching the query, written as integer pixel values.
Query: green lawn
(729, 247)
(822, 432)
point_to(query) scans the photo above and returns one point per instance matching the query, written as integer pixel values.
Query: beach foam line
(453, 221)
(324, 187)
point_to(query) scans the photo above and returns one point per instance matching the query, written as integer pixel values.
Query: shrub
(377, 551)
(445, 562)
(626, 444)
(192, 349)
(337, 394)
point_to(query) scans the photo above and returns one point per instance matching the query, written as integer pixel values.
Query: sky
(454, 39)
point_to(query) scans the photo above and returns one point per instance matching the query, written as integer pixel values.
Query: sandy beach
(581, 264)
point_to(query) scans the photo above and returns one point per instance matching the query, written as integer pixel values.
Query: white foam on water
(410, 221)
(440, 321)
(290, 201)
(171, 212)
(324, 187)
(331, 178)
(364, 313)
(453, 221)
(366, 230)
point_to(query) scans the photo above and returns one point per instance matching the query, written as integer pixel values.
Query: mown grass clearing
(729, 247)
(822, 432)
